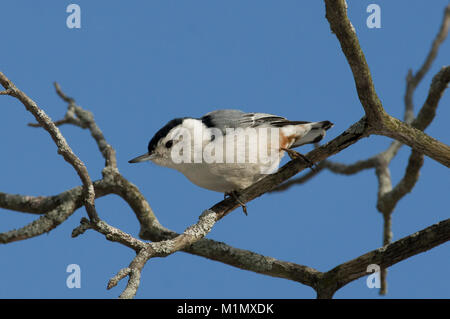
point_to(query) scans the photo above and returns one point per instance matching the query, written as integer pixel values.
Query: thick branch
(416, 139)
(424, 118)
(243, 259)
(336, 13)
(386, 256)
(152, 230)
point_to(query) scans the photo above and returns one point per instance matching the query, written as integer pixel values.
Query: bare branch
(424, 118)
(338, 168)
(40, 226)
(79, 117)
(116, 185)
(336, 13)
(85, 119)
(63, 148)
(387, 238)
(62, 95)
(192, 239)
(243, 259)
(161, 249)
(353, 134)
(378, 119)
(386, 256)
(428, 111)
(81, 229)
(384, 187)
(389, 200)
(391, 151)
(6, 92)
(299, 180)
(28, 204)
(412, 81)
(152, 230)
(66, 120)
(350, 169)
(133, 271)
(116, 235)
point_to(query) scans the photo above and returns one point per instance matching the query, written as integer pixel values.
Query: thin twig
(412, 81)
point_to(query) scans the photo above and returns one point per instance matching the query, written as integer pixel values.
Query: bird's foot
(294, 155)
(235, 196)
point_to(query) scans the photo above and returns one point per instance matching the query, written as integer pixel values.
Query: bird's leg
(235, 196)
(294, 155)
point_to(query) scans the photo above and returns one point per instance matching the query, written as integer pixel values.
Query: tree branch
(378, 119)
(162, 249)
(42, 225)
(336, 14)
(338, 168)
(412, 81)
(386, 256)
(63, 148)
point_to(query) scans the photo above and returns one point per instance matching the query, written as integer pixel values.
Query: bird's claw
(235, 196)
(294, 155)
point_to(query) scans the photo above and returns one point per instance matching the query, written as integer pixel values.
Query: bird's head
(173, 144)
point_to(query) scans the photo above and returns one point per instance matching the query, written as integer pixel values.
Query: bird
(228, 150)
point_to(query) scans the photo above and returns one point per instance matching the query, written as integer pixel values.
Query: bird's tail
(316, 133)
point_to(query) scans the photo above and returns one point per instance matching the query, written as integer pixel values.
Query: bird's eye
(169, 144)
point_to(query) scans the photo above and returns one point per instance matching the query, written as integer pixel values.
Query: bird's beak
(142, 158)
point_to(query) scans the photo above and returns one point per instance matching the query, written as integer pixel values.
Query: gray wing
(223, 119)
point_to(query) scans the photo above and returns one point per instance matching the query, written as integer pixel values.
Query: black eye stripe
(169, 144)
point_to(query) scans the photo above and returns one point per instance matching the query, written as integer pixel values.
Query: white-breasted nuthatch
(228, 150)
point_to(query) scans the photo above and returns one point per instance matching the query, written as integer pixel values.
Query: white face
(161, 155)
(180, 144)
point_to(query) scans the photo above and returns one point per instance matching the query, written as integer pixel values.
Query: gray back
(223, 119)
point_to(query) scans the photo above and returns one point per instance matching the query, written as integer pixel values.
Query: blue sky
(138, 64)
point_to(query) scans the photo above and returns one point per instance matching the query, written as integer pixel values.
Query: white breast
(232, 161)
(224, 173)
